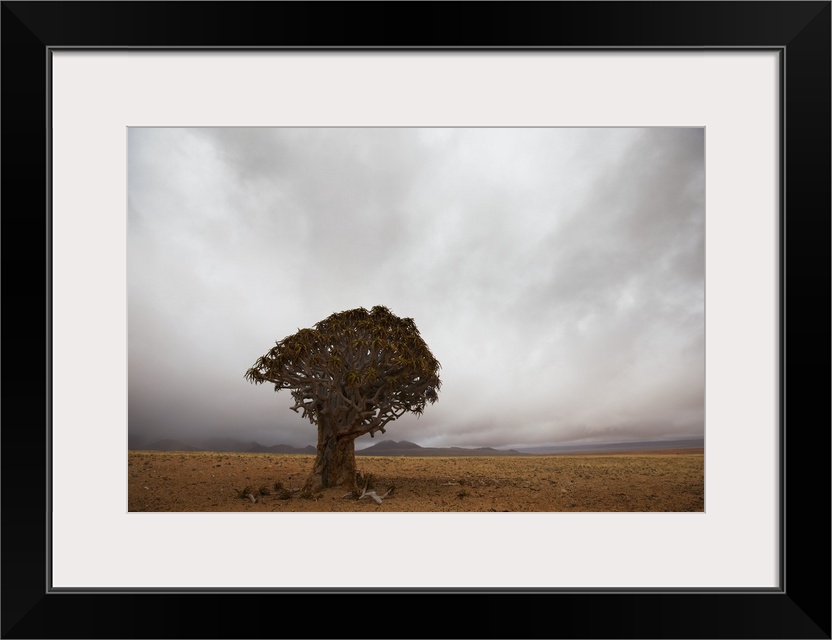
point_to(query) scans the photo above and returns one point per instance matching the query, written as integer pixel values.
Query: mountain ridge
(407, 448)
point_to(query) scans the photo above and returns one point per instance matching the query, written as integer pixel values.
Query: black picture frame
(799, 31)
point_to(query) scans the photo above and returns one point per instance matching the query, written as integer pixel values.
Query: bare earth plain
(668, 481)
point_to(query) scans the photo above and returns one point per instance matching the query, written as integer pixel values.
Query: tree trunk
(335, 460)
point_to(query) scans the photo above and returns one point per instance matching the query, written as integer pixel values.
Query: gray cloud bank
(557, 274)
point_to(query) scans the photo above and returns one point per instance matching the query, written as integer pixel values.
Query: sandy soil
(208, 481)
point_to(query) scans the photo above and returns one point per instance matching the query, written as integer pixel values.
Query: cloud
(557, 274)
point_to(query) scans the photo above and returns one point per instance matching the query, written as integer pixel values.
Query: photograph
(456, 319)
(499, 306)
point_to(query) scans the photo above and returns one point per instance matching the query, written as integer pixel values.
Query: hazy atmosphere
(558, 275)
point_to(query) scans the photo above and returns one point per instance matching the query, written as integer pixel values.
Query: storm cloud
(557, 274)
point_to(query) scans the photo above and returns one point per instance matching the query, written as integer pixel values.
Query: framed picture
(753, 78)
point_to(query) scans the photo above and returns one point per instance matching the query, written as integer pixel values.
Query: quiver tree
(351, 374)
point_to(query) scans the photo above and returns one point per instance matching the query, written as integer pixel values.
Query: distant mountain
(223, 445)
(616, 447)
(390, 445)
(405, 448)
(226, 445)
(281, 448)
(168, 445)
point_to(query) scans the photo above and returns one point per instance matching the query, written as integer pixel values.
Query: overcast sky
(556, 274)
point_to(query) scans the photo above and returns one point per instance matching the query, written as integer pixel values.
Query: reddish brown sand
(208, 481)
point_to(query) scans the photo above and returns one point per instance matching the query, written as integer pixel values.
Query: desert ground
(208, 481)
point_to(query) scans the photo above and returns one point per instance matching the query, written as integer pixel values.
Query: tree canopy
(353, 372)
